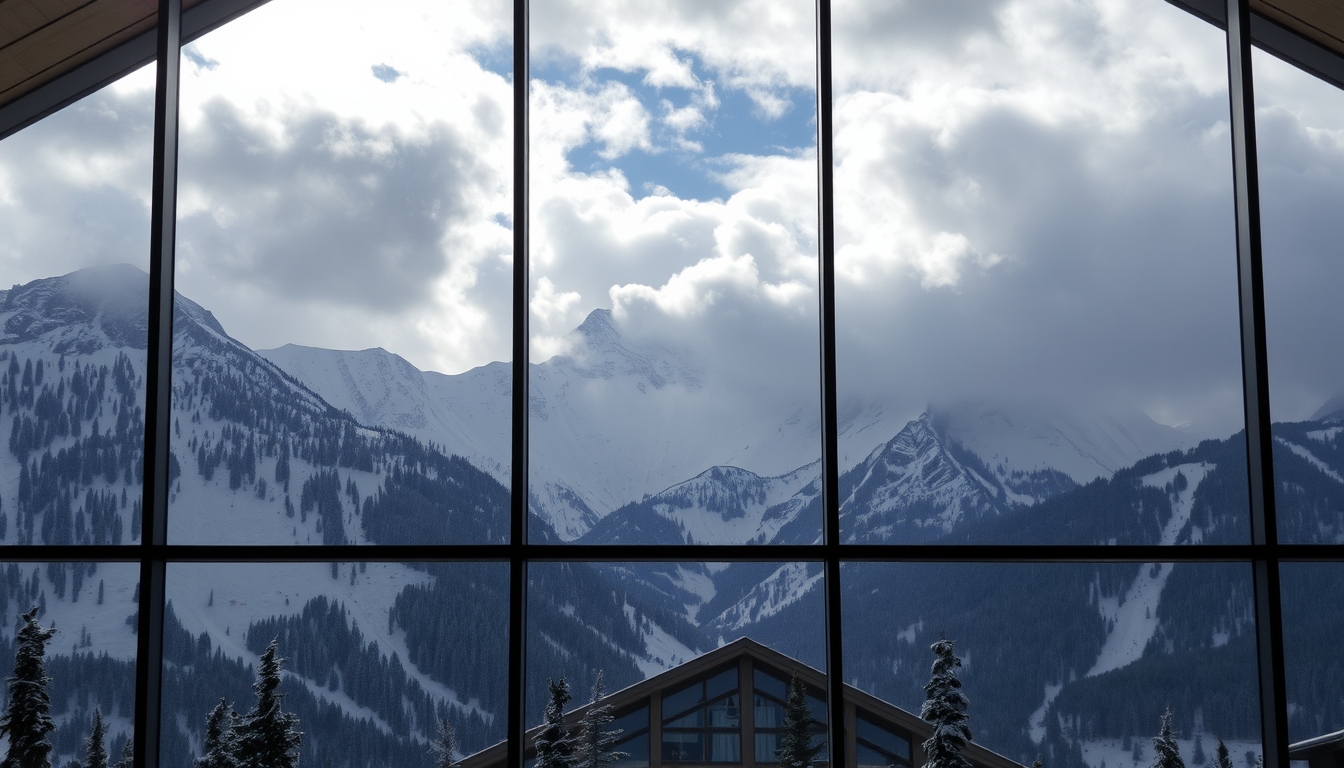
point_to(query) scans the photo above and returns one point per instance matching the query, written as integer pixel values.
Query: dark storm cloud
(1118, 283)
(335, 210)
(74, 187)
(1302, 215)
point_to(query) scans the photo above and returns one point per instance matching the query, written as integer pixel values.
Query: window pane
(769, 714)
(375, 655)
(1076, 663)
(344, 269)
(1299, 121)
(636, 752)
(882, 738)
(768, 683)
(766, 746)
(89, 658)
(673, 234)
(632, 722)
(683, 747)
(1312, 626)
(74, 210)
(725, 748)
(1036, 275)
(679, 701)
(725, 713)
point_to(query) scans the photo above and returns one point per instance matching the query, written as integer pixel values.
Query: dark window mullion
(830, 451)
(1255, 380)
(518, 493)
(158, 387)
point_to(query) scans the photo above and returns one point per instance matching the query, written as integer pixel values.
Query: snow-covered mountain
(614, 423)
(302, 445)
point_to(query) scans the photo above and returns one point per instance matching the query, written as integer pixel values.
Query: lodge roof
(979, 756)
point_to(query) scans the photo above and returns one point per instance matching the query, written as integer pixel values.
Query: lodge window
(877, 746)
(702, 722)
(633, 741)
(771, 693)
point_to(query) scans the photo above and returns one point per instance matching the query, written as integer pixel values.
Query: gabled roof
(978, 755)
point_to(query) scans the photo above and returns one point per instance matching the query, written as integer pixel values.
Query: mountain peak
(600, 351)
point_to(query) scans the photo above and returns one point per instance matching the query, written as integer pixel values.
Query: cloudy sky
(1033, 196)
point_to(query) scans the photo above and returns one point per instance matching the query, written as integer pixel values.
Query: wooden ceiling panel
(1322, 21)
(49, 37)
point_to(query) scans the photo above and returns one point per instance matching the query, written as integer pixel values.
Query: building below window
(692, 715)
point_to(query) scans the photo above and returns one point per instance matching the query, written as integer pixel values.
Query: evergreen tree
(127, 759)
(1166, 753)
(220, 738)
(268, 737)
(445, 744)
(594, 741)
(95, 753)
(1197, 756)
(1222, 758)
(555, 748)
(796, 749)
(945, 710)
(27, 718)
(1038, 763)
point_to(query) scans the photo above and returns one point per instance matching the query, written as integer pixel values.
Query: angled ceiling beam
(55, 52)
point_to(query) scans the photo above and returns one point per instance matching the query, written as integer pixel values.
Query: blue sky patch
(736, 126)
(386, 73)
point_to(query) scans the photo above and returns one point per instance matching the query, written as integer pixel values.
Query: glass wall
(377, 662)
(74, 209)
(344, 266)
(78, 620)
(674, 265)
(1037, 341)
(1300, 121)
(1036, 283)
(1073, 663)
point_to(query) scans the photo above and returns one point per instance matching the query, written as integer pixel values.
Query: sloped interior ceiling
(1322, 21)
(42, 39)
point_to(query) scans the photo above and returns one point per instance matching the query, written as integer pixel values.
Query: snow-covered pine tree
(127, 759)
(1222, 758)
(1166, 753)
(945, 710)
(1197, 756)
(444, 745)
(95, 752)
(796, 749)
(268, 737)
(1039, 763)
(220, 738)
(594, 740)
(27, 718)
(555, 748)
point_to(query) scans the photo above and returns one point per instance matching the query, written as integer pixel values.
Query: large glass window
(444, 274)
(74, 193)
(674, 265)
(1035, 275)
(1300, 121)
(344, 264)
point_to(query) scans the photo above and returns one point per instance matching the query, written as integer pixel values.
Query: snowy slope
(467, 414)
(1084, 447)
(722, 505)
